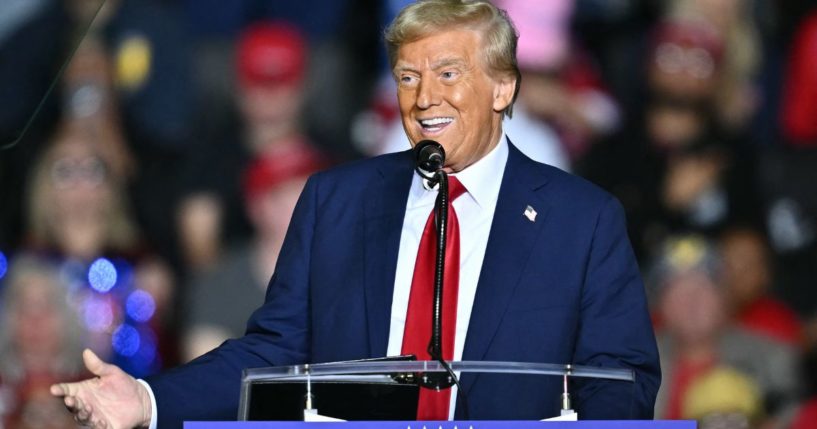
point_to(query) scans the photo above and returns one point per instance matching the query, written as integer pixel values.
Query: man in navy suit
(546, 272)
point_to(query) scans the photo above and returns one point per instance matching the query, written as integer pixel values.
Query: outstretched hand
(112, 399)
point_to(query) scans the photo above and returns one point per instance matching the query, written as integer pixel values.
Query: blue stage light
(102, 275)
(146, 355)
(4, 265)
(125, 340)
(140, 306)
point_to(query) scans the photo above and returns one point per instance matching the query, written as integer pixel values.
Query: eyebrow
(403, 68)
(447, 62)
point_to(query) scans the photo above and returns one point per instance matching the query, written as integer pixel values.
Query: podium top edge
(302, 372)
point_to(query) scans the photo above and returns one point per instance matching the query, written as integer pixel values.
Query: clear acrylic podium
(372, 390)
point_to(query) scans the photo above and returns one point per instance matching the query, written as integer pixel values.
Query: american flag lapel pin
(530, 213)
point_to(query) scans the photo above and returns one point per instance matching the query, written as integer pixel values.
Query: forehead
(70, 147)
(457, 44)
(691, 282)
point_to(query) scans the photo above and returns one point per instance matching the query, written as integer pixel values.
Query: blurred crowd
(142, 212)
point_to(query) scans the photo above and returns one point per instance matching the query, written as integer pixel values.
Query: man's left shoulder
(571, 191)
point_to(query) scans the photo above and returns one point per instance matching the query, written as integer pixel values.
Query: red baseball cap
(271, 53)
(271, 169)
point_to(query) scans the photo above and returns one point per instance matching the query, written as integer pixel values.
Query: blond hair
(424, 17)
(24, 271)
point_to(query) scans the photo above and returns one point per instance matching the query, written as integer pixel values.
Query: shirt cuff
(153, 410)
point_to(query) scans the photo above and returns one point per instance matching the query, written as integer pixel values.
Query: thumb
(95, 364)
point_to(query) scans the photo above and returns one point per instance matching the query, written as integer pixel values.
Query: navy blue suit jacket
(562, 289)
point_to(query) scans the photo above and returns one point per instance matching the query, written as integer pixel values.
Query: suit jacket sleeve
(615, 329)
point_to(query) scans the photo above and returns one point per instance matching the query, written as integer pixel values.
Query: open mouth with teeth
(433, 125)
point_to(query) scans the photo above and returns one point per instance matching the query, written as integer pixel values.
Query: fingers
(83, 413)
(70, 402)
(73, 393)
(57, 390)
(95, 364)
(76, 407)
(64, 389)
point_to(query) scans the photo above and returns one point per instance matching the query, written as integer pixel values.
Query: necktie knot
(455, 188)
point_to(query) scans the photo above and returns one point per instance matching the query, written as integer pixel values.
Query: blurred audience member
(748, 277)
(561, 85)
(40, 343)
(696, 336)
(76, 206)
(78, 215)
(723, 398)
(674, 169)
(735, 94)
(345, 45)
(222, 296)
(684, 67)
(145, 66)
(270, 63)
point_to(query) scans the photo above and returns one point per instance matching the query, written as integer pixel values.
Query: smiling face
(447, 94)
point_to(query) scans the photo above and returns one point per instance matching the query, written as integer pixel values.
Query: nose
(428, 94)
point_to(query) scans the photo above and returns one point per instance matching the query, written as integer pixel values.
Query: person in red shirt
(747, 277)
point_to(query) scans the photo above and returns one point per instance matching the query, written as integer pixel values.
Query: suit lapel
(384, 210)
(510, 242)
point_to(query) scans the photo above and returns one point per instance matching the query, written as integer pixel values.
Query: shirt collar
(479, 178)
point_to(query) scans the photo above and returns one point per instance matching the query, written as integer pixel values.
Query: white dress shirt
(475, 212)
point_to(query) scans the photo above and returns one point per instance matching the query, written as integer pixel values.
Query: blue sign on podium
(515, 424)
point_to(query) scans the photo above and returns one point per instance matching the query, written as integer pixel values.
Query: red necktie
(433, 405)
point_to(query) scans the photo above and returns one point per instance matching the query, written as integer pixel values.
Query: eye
(408, 80)
(448, 74)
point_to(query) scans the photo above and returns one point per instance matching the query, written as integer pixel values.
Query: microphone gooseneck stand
(430, 158)
(435, 346)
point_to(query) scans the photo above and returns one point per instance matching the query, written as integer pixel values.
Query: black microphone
(429, 157)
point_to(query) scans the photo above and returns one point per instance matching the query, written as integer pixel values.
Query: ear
(503, 92)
